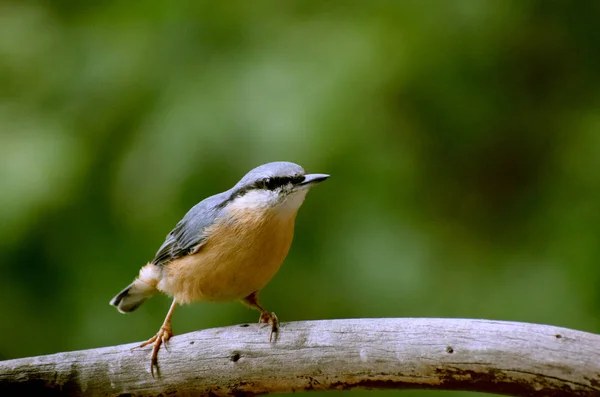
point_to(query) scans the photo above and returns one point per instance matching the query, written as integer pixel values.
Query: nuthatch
(227, 247)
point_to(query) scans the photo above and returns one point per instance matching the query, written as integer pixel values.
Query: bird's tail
(136, 293)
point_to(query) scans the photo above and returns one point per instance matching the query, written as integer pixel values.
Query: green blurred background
(463, 140)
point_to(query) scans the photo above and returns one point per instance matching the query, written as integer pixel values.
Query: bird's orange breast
(241, 255)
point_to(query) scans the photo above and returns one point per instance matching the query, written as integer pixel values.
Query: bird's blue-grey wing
(188, 235)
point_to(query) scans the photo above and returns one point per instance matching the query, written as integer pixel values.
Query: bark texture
(516, 359)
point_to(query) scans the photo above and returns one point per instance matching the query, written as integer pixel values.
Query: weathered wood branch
(515, 359)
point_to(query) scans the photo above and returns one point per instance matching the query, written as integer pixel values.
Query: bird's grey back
(188, 235)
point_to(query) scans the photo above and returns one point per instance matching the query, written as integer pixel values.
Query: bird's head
(274, 185)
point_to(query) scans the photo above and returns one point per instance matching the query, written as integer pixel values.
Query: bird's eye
(271, 183)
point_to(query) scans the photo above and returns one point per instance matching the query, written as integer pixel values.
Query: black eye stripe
(297, 179)
(267, 183)
(278, 181)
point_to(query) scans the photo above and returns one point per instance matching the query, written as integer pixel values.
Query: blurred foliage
(463, 140)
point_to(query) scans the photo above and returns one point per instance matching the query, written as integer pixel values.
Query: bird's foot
(271, 319)
(162, 336)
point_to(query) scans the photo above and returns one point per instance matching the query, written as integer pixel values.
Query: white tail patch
(137, 292)
(150, 274)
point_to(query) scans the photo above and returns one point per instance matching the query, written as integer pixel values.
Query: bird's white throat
(263, 200)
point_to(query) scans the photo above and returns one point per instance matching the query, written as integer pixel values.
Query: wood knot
(235, 356)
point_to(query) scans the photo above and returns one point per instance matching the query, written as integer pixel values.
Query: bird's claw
(271, 319)
(161, 338)
(164, 342)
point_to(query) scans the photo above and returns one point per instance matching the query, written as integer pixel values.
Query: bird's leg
(265, 316)
(162, 336)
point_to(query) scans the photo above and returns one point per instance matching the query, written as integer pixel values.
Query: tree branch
(516, 359)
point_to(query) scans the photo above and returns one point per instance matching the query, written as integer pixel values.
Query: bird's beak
(312, 179)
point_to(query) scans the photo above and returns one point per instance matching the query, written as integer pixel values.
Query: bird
(226, 248)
